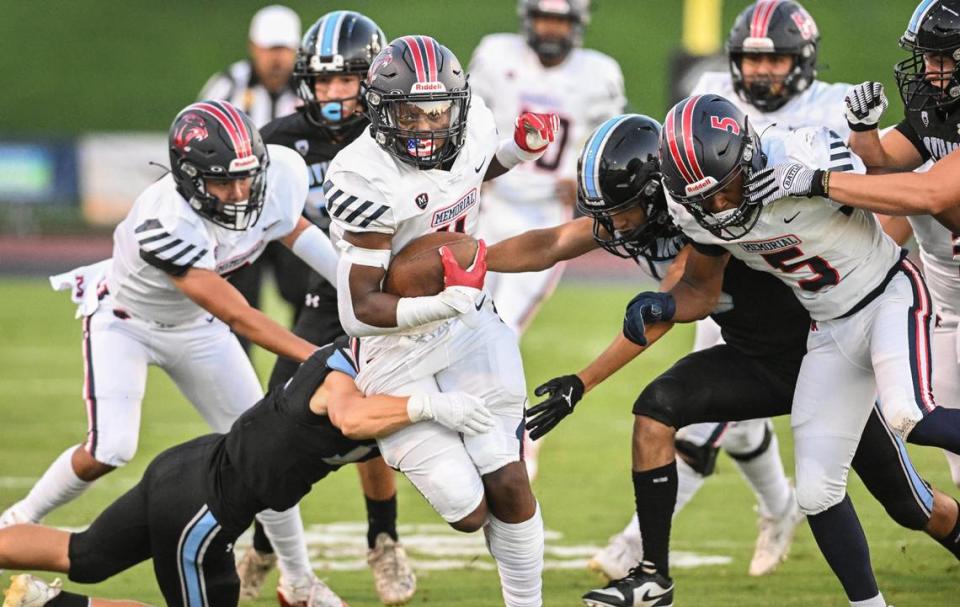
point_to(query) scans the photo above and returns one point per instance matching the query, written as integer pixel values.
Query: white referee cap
(275, 25)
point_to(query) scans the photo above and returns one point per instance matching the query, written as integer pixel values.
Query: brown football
(416, 270)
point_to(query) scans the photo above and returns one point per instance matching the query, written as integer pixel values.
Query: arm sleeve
(356, 205)
(173, 246)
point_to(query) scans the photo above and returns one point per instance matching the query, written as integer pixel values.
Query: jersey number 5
(825, 274)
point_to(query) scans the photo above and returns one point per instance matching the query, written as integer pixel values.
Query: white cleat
(392, 575)
(252, 569)
(11, 516)
(28, 591)
(308, 592)
(775, 539)
(618, 557)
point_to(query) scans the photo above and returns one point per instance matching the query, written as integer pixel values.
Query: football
(416, 270)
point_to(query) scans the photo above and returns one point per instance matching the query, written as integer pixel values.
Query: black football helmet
(554, 49)
(706, 143)
(416, 81)
(781, 27)
(340, 42)
(215, 140)
(618, 170)
(934, 28)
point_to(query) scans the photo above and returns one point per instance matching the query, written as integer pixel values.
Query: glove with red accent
(534, 132)
(455, 276)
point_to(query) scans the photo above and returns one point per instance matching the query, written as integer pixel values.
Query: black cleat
(643, 587)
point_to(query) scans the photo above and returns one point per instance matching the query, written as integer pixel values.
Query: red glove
(534, 131)
(455, 276)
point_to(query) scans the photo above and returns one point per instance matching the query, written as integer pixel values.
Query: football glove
(455, 276)
(864, 105)
(564, 394)
(791, 180)
(458, 411)
(534, 132)
(645, 308)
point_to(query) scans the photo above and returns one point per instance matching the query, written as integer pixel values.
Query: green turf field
(584, 486)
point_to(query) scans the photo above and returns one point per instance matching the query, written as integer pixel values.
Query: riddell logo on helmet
(428, 87)
(244, 164)
(699, 186)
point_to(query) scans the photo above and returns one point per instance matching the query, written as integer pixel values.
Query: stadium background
(72, 68)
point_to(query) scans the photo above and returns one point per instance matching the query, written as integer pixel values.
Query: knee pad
(660, 400)
(741, 442)
(901, 412)
(702, 458)
(816, 494)
(117, 449)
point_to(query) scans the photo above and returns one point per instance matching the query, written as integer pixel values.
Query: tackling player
(162, 300)
(870, 310)
(195, 499)
(543, 69)
(752, 374)
(430, 148)
(336, 53)
(772, 52)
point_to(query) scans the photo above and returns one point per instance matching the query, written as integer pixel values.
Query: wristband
(509, 154)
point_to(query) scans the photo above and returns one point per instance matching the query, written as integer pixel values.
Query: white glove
(864, 105)
(458, 411)
(783, 181)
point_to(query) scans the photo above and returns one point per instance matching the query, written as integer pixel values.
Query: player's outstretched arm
(214, 294)
(537, 250)
(309, 243)
(375, 416)
(531, 135)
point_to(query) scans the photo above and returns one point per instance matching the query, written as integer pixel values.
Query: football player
(930, 87)
(162, 300)
(336, 53)
(752, 374)
(870, 310)
(195, 499)
(429, 149)
(543, 69)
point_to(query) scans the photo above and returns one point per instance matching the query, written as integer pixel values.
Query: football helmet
(550, 48)
(215, 140)
(340, 42)
(934, 28)
(417, 97)
(618, 170)
(780, 27)
(705, 144)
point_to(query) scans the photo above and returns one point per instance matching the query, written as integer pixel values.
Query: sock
(842, 542)
(69, 599)
(285, 532)
(763, 471)
(876, 601)
(261, 543)
(689, 482)
(518, 550)
(58, 485)
(952, 541)
(381, 518)
(940, 428)
(655, 492)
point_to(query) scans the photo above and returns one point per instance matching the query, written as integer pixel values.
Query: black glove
(645, 308)
(565, 392)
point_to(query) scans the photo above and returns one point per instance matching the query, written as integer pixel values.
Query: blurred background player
(263, 86)
(332, 60)
(162, 300)
(772, 57)
(542, 69)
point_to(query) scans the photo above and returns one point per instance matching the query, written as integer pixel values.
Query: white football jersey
(940, 254)
(820, 105)
(584, 90)
(369, 190)
(162, 236)
(832, 256)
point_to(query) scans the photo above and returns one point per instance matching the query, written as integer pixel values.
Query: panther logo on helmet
(381, 61)
(192, 127)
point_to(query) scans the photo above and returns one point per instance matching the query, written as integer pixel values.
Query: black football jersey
(318, 148)
(279, 448)
(933, 132)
